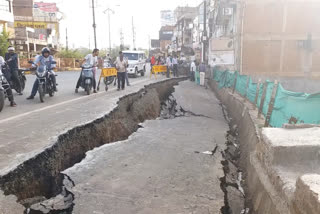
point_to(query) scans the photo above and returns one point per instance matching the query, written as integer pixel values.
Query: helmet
(45, 50)
(10, 48)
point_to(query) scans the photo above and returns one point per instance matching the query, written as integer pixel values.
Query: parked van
(136, 61)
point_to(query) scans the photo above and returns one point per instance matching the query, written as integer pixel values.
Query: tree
(4, 42)
(64, 53)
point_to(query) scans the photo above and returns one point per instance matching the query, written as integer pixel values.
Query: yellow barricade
(158, 69)
(108, 72)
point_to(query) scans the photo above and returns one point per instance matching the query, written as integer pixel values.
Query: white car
(136, 61)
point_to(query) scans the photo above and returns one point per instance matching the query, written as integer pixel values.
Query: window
(5, 5)
(131, 56)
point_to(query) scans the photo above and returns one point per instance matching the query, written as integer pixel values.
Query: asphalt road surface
(66, 86)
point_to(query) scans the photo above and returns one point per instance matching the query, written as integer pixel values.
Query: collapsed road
(152, 152)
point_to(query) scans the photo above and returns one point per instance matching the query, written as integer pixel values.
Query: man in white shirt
(121, 65)
(193, 69)
(92, 61)
(175, 66)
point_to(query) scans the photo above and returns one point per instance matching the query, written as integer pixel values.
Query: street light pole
(108, 10)
(204, 31)
(94, 25)
(109, 32)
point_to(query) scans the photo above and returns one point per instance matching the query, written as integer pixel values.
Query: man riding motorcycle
(43, 60)
(12, 60)
(7, 88)
(92, 60)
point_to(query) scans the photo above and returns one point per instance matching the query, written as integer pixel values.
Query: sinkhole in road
(39, 184)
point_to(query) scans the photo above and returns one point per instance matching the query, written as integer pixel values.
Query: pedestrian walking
(152, 62)
(193, 69)
(169, 64)
(121, 66)
(175, 66)
(202, 70)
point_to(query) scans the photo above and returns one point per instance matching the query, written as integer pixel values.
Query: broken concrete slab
(8, 205)
(236, 200)
(156, 170)
(307, 194)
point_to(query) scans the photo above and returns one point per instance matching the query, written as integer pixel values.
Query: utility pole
(204, 36)
(108, 10)
(67, 48)
(133, 35)
(149, 44)
(94, 25)
(121, 40)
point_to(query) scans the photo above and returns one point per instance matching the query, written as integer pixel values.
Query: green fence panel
(251, 90)
(226, 79)
(241, 85)
(295, 108)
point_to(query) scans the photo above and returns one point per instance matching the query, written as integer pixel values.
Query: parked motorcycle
(21, 76)
(4, 84)
(44, 78)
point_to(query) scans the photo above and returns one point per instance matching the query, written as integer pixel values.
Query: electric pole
(94, 25)
(133, 35)
(67, 48)
(204, 37)
(149, 44)
(121, 40)
(108, 10)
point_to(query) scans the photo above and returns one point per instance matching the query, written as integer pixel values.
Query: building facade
(36, 27)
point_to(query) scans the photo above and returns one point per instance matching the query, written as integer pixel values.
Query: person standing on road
(169, 64)
(152, 62)
(12, 60)
(121, 65)
(7, 87)
(193, 69)
(127, 78)
(175, 66)
(202, 70)
(91, 60)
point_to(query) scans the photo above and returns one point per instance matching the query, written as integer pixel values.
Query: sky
(146, 17)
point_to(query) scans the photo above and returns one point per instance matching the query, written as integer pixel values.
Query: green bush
(4, 42)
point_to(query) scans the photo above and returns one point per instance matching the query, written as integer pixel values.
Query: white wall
(5, 14)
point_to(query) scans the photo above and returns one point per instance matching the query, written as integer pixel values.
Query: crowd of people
(120, 63)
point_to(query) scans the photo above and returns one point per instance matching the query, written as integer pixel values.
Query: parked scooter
(87, 78)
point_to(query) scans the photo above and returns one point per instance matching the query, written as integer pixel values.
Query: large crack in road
(39, 184)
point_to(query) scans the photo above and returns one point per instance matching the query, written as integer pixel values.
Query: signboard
(46, 7)
(42, 37)
(35, 25)
(167, 17)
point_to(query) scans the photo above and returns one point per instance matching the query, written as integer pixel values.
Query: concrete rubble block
(287, 146)
(9, 205)
(235, 199)
(232, 175)
(307, 195)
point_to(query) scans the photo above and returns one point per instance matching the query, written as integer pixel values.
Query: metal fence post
(235, 83)
(257, 93)
(265, 85)
(247, 85)
(271, 104)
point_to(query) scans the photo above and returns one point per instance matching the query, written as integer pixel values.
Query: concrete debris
(170, 110)
(235, 199)
(62, 203)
